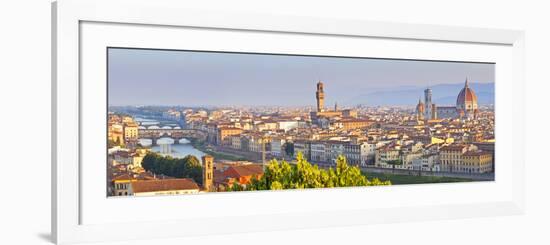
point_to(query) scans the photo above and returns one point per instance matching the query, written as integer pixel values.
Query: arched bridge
(175, 134)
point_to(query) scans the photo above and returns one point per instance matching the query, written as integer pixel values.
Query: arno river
(180, 150)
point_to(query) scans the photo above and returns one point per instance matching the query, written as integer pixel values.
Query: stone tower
(320, 95)
(428, 104)
(208, 172)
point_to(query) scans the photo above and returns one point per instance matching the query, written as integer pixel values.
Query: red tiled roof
(466, 95)
(164, 185)
(219, 177)
(124, 176)
(244, 170)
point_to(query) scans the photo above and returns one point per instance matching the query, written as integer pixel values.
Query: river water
(181, 150)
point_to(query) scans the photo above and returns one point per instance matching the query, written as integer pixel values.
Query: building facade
(223, 132)
(318, 152)
(476, 162)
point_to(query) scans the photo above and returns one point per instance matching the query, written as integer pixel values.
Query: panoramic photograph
(196, 122)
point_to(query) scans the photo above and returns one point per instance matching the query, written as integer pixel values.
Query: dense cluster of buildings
(384, 137)
(127, 177)
(122, 130)
(427, 137)
(126, 180)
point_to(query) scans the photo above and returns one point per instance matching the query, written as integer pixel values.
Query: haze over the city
(159, 77)
(246, 122)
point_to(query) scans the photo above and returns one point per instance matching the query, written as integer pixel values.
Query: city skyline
(161, 77)
(271, 125)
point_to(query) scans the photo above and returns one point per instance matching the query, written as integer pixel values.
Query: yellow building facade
(130, 131)
(451, 157)
(476, 162)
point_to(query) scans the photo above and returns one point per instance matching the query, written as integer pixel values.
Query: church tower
(428, 104)
(320, 95)
(208, 173)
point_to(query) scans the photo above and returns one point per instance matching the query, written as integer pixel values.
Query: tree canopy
(289, 148)
(187, 167)
(283, 175)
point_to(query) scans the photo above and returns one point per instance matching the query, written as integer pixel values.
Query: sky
(191, 78)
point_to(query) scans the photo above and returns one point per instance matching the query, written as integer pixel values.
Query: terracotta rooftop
(219, 177)
(466, 95)
(124, 176)
(244, 170)
(164, 185)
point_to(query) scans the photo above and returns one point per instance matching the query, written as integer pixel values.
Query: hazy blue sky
(157, 77)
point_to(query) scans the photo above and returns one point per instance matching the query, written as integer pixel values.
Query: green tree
(282, 175)
(235, 187)
(377, 181)
(393, 163)
(289, 149)
(348, 175)
(259, 183)
(287, 174)
(187, 167)
(276, 185)
(149, 161)
(192, 160)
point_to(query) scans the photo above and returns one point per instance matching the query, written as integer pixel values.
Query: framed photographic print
(197, 123)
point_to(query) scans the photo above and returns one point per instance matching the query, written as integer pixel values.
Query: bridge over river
(177, 134)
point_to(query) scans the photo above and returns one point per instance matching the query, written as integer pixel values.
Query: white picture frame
(68, 16)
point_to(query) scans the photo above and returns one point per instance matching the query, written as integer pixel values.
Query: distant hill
(442, 94)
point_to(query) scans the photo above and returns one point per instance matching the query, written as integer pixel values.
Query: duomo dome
(467, 99)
